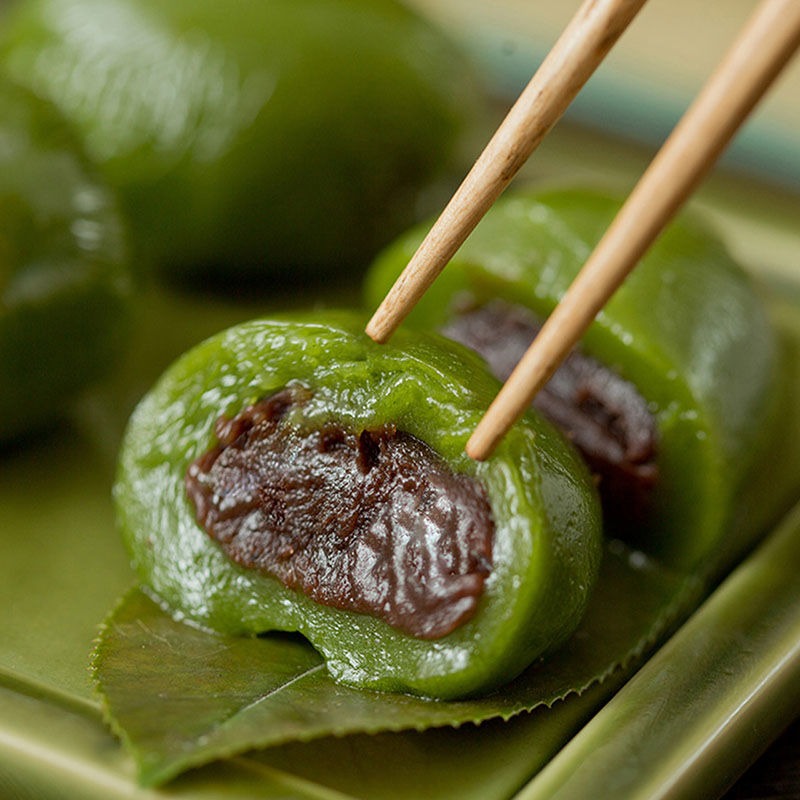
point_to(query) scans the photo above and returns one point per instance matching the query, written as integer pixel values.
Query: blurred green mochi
(64, 282)
(254, 140)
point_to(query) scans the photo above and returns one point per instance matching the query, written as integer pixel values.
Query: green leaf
(179, 696)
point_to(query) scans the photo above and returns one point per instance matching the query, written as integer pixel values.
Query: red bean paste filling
(371, 521)
(603, 414)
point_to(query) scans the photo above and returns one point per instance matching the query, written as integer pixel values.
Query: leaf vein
(264, 697)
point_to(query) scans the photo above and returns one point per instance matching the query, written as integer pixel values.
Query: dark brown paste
(371, 521)
(604, 415)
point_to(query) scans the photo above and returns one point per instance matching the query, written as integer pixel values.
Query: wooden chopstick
(579, 50)
(765, 45)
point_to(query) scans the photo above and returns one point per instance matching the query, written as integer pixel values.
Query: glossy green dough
(64, 285)
(233, 129)
(687, 328)
(547, 532)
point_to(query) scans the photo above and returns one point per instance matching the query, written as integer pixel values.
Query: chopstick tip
(378, 331)
(477, 447)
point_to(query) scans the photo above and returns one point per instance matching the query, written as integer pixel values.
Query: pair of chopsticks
(764, 46)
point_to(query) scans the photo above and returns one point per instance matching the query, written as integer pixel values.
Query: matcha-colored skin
(547, 539)
(64, 284)
(687, 328)
(233, 129)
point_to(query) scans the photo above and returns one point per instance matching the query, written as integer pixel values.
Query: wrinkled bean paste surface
(371, 521)
(604, 415)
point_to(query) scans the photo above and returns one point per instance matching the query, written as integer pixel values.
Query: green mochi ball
(253, 140)
(688, 329)
(546, 539)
